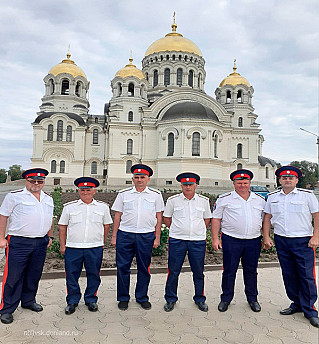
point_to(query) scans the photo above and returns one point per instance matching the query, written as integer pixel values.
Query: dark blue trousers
(128, 245)
(297, 262)
(234, 250)
(74, 260)
(23, 269)
(177, 250)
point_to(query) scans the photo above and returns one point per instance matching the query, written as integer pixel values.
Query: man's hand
(313, 242)
(267, 243)
(3, 243)
(62, 249)
(157, 242)
(49, 243)
(217, 244)
(113, 241)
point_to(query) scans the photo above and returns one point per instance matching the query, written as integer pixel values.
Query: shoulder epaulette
(225, 195)
(271, 193)
(174, 196)
(202, 196)
(305, 190)
(154, 190)
(70, 202)
(257, 194)
(15, 191)
(101, 202)
(127, 189)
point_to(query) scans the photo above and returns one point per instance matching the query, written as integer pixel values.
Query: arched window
(240, 121)
(155, 78)
(130, 116)
(199, 80)
(167, 76)
(179, 77)
(53, 166)
(128, 166)
(51, 83)
(170, 144)
(191, 78)
(69, 133)
(65, 89)
(215, 146)
(62, 166)
(131, 89)
(95, 136)
(196, 144)
(50, 132)
(239, 166)
(94, 167)
(78, 88)
(239, 96)
(129, 146)
(119, 89)
(96, 120)
(239, 150)
(267, 172)
(228, 97)
(59, 136)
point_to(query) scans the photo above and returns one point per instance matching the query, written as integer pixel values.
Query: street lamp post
(309, 132)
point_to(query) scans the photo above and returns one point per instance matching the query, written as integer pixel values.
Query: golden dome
(130, 70)
(234, 79)
(67, 66)
(173, 41)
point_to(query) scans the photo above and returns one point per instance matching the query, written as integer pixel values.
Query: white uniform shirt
(291, 213)
(240, 218)
(85, 223)
(138, 209)
(188, 216)
(27, 216)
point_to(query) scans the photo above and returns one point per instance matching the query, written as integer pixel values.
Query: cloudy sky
(275, 43)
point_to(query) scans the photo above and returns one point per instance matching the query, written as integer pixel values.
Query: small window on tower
(239, 96)
(131, 89)
(228, 97)
(65, 87)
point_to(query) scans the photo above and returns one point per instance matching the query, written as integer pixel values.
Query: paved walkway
(185, 324)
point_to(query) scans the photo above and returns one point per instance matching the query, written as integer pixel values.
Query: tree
(15, 172)
(3, 175)
(309, 173)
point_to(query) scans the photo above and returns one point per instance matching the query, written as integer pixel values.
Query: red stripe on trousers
(5, 272)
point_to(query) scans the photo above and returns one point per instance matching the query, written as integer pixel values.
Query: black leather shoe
(146, 305)
(255, 306)
(35, 307)
(202, 306)
(223, 306)
(314, 321)
(69, 309)
(169, 306)
(289, 311)
(92, 306)
(6, 318)
(123, 305)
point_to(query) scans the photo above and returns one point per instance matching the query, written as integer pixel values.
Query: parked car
(261, 190)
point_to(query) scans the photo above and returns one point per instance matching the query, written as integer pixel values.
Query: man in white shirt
(28, 216)
(187, 215)
(290, 211)
(239, 213)
(138, 215)
(83, 228)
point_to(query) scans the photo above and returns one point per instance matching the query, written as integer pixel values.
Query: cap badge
(39, 174)
(85, 183)
(187, 179)
(288, 172)
(242, 174)
(139, 170)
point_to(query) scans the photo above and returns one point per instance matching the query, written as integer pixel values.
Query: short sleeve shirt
(28, 217)
(138, 209)
(188, 216)
(291, 213)
(240, 218)
(85, 223)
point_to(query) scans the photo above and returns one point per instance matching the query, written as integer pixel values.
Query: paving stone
(91, 336)
(165, 337)
(211, 332)
(279, 331)
(201, 321)
(117, 338)
(185, 328)
(228, 325)
(138, 332)
(264, 339)
(252, 328)
(308, 336)
(192, 339)
(91, 323)
(159, 325)
(238, 337)
(114, 328)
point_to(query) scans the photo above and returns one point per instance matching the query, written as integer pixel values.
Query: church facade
(160, 116)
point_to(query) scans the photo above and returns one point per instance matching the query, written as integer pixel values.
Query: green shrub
(55, 247)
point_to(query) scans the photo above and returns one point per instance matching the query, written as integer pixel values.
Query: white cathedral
(160, 116)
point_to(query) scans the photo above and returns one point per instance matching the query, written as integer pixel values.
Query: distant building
(160, 116)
